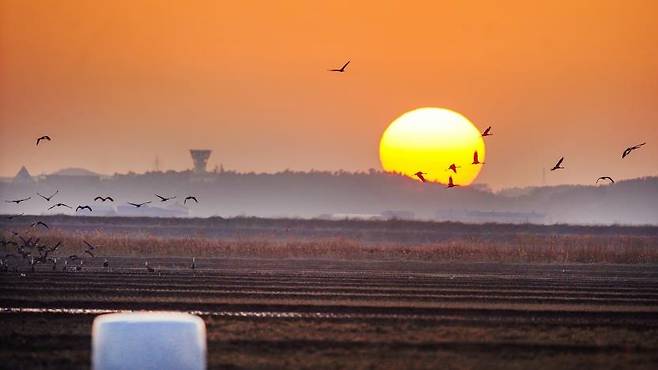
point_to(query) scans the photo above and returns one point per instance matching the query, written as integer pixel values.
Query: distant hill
(370, 194)
(73, 171)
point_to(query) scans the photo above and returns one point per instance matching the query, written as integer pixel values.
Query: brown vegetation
(517, 248)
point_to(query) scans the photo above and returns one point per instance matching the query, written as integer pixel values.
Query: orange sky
(117, 83)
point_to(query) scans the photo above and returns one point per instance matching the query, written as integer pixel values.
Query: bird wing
(88, 244)
(134, 204)
(89, 253)
(345, 65)
(42, 196)
(53, 206)
(43, 223)
(486, 131)
(559, 162)
(78, 208)
(97, 198)
(161, 197)
(110, 199)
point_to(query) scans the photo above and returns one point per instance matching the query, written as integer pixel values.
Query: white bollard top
(149, 340)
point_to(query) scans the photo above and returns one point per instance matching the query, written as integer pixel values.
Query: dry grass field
(351, 295)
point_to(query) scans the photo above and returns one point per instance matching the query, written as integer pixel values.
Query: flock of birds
(558, 166)
(35, 252)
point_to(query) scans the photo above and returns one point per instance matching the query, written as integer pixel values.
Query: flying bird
(103, 199)
(40, 223)
(453, 167)
(476, 160)
(60, 205)
(341, 69)
(630, 149)
(50, 197)
(90, 246)
(18, 201)
(558, 165)
(487, 132)
(190, 197)
(450, 183)
(80, 208)
(137, 205)
(164, 199)
(44, 137)
(605, 178)
(420, 176)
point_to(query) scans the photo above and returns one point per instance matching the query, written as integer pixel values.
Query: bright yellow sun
(430, 140)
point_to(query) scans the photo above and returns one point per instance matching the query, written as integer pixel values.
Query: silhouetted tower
(200, 158)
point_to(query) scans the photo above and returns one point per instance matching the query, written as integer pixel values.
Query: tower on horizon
(200, 159)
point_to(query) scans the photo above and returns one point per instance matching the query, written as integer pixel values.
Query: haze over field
(118, 83)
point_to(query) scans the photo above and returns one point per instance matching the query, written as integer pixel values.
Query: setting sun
(430, 140)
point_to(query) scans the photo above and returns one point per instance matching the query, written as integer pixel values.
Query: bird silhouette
(450, 183)
(164, 199)
(605, 178)
(190, 197)
(106, 264)
(80, 208)
(453, 167)
(137, 205)
(341, 69)
(40, 223)
(60, 205)
(487, 132)
(558, 165)
(18, 201)
(44, 137)
(148, 268)
(50, 197)
(420, 176)
(476, 160)
(630, 149)
(103, 199)
(193, 265)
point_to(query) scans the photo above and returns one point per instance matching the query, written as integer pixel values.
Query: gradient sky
(118, 83)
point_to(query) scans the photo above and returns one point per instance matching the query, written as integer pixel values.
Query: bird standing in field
(341, 69)
(558, 165)
(605, 178)
(44, 137)
(190, 197)
(148, 268)
(18, 201)
(476, 160)
(487, 132)
(193, 265)
(164, 199)
(420, 174)
(50, 197)
(450, 183)
(628, 150)
(103, 199)
(80, 208)
(137, 205)
(106, 264)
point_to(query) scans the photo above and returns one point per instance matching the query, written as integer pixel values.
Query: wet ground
(265, 313)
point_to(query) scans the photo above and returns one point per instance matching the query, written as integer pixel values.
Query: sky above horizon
(117, 84)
